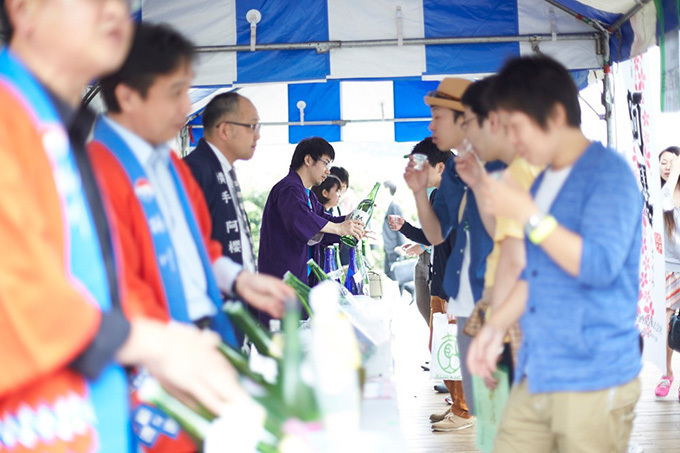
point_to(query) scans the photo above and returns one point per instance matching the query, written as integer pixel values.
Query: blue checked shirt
(579, 333)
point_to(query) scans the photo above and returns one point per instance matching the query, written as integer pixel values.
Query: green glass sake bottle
(297, 394)
(362, 212)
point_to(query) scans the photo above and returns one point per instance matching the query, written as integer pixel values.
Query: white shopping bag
(445, 362)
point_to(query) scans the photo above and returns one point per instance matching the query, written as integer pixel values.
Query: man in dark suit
(231, 130)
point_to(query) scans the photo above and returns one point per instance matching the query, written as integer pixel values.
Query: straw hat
(448, 93)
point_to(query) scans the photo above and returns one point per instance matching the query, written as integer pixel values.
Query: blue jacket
(579, 332)
(446, 204)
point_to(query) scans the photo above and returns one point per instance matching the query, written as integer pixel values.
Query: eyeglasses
(465, 123)
(441, 95)
(326, 162)
(254, 126)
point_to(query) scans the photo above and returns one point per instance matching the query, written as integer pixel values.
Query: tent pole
(586, 20)
(326, 46)
(624, 18)
(607, 90)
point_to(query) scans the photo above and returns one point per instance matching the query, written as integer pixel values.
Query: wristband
(544, 229)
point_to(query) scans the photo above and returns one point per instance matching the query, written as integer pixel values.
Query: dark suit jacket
(206, 169)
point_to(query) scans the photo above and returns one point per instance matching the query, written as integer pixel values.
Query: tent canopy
(317, 47)
(259, 41)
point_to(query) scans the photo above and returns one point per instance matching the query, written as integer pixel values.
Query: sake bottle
(199, 426)
(300, 289)
(195, 425)
(338, 263)
(320, 274)
(295, 376)
(327, 256)
(362, 212)
(365, 252)
(363, 270)
(329, 266)
(353, 280)
(247, 324)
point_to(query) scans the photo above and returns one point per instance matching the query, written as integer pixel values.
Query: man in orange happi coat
(64, 338)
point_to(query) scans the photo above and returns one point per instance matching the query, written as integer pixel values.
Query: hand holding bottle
(263, 292)
(484, 353)
(186, 362)
(351, 227)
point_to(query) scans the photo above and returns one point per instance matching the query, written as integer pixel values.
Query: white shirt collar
(226, 166)
(142, 149)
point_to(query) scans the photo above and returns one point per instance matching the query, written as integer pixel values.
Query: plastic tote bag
(445, 361)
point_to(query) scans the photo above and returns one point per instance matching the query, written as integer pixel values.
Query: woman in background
(670, 202)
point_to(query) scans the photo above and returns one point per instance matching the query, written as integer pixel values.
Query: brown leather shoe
(439, 417)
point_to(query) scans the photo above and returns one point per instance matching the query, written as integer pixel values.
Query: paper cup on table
(419, 161)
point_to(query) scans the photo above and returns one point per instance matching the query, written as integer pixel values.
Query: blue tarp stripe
(283, 21)
(408, 98)
(323, 104)
(459, 18)
(411, 132)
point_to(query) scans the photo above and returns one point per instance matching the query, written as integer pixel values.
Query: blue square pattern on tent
(411, 132)
(460, 18)
(408, 103)
(408, 98)
(283, 22)
(323, 104)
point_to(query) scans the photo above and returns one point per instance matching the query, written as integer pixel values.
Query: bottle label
(335, 275)
(360, 215)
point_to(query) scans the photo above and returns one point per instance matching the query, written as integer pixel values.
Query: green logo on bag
(447, 355)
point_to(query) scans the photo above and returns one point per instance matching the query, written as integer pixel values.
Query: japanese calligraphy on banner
(636, 101)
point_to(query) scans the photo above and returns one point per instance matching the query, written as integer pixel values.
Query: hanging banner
(636, 104)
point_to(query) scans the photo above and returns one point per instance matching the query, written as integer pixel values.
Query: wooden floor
(657, 422)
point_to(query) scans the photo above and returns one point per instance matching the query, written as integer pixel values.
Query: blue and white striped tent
(316, 46)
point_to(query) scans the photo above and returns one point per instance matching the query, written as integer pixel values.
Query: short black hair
(157, 49)
(341, 174)
(534, 85)
(6, 28)
(391, 186)
(477, 97)
(220, 106)
(434, 154)
(314, 147)
(327, 184)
